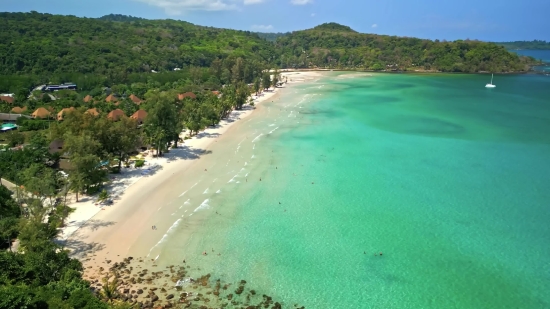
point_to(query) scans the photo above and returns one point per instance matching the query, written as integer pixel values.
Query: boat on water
(490, 85)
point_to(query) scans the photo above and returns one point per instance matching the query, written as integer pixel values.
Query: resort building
(135, 99)
(190, 95)
(139, 116)
(64, 111)
(116, 114)
(40, 113)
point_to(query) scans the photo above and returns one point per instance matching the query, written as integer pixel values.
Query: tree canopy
(43, 48)
(535, 44)
(335, 46)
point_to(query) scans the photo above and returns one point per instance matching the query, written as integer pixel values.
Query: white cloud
(248, 2)
(312, 14)
(262, 28)
(374, 26)
(176, 7)
(301, 2)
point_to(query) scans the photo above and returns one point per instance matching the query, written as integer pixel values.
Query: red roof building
(116, 114)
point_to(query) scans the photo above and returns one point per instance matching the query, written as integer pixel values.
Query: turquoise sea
(543, 55)
(450, 181)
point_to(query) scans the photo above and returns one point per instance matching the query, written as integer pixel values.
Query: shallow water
(447, 179)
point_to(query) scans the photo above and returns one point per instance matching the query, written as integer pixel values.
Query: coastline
(124, 229)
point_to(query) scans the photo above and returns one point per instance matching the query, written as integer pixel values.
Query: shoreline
(117, 231)
(412, 72)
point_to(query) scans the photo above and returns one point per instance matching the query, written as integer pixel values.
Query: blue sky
(502, 20)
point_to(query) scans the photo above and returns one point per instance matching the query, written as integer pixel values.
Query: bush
(139, 163)
(15, 138)
(93, 190)
(32, 124)
(103, 195)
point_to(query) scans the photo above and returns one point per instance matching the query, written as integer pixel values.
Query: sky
(503, 20)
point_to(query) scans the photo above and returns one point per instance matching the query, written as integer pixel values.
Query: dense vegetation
(271, 36)
(535, 44)
(336, 46)
(40, 274)
(41, 44)
(116, 49)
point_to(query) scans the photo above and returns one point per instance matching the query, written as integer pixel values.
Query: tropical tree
(257, 85)
(266, 80)
(162, 125)
(85, 171)
(109, 288)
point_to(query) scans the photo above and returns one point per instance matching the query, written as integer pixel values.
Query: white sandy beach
(97, 233)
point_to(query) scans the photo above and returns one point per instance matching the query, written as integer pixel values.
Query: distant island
(534, 45)
(36, 48)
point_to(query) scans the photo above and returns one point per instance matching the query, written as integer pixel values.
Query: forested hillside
(40, 48)
(337, 46)
(35, 43)
(535, 44)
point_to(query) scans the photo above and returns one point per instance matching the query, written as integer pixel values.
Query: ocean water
(543, 55)
(450, 181)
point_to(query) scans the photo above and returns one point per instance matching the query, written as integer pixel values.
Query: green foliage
(103, 195)
(336, 46)
(43, 43)
(39, 180)
(12, 162)
(15, 138)
(162, 125)
(139, 163)
(119, 17)
(270, 36)
(85, 162)
(266, 80)
(535, 44)
(32, 124)
(334, 27)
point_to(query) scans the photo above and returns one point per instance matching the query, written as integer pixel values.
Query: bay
(385, 191)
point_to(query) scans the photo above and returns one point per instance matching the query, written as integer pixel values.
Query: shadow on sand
(79, 248)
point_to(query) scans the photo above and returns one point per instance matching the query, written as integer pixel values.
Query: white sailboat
(490, 85)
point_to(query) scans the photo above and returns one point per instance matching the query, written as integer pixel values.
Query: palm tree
(109, 290)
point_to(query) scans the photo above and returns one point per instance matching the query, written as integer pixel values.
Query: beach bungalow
(7, 99)
(190, 95)
(40, 113)
(139, 116)
(18, 110)
(88, 99)
(64, 111)
(55, 146)
(111, 98)
(92, 111)
(115, 115)
(10, 118)
(135, 99)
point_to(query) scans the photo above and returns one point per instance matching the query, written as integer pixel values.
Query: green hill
(34, 43)
(336, 46)
(120, 17)
(535, 44)
(35, 47)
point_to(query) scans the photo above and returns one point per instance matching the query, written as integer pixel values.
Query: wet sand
(126, 229)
